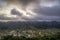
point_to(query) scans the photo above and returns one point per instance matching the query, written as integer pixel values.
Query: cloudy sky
(30, 10)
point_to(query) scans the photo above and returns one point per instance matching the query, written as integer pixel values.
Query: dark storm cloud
(26, 1)
(47, 13)
(49, 8)
(15, 12)
(20, 14)
(23, 3)
(53, 11)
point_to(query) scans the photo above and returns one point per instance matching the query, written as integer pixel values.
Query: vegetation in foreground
(39, 37)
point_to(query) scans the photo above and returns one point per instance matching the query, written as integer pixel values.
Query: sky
(29, 10)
